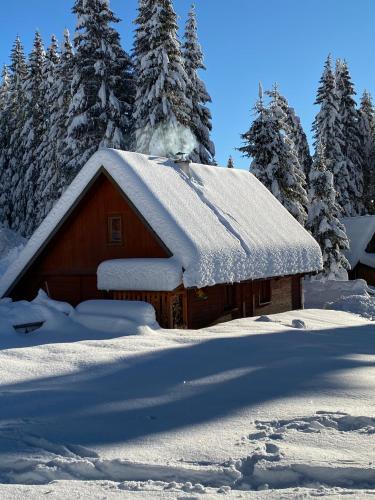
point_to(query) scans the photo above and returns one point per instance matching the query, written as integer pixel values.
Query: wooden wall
(225, 302)
(363, 272)
(67, 266)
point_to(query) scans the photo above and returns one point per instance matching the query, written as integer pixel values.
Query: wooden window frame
(262, 301)
(110, 241)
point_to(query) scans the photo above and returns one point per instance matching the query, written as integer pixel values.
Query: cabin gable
(66, 267)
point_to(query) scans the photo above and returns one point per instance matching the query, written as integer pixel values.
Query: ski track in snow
(267, 467)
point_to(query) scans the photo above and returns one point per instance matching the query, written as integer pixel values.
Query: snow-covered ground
(272, 407)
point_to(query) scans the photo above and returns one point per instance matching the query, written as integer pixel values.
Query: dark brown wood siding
(67, 266)
(363, 272)
(226, 302)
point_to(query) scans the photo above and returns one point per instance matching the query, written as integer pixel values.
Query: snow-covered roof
(222, 225)
(360, 230)
(162, 275)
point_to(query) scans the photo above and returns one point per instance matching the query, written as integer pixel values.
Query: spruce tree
(102, 89)
(367, 131)
(25, 202)
(293, 133)
(323, 221)
(230, 163)
(274, 160)
(295, 130)
(162, 109)
(201, 119)
(13, 175)
(46, 152)
(328, 132)
(351, 146)
(57, 174)
(5, 185)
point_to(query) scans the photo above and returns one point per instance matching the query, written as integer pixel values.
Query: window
(264, 292)
(115, 229)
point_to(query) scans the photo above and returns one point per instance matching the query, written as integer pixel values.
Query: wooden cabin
(361, 255)
(202, 244)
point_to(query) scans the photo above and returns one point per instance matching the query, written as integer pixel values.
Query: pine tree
(57, 175)
(25, 203)
(4, 88)
(161, 109)
(295, 130)
(351, 146)
(230, 163)
(46, 152)
(4, 142)
(328, 132)
(289, 123)
(201, 119)
(367, 131)
(13, 173)
(102, 89)
(323, 221)
(274, 160)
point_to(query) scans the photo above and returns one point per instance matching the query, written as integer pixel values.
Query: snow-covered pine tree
(296, 131)
(57, 174)
(323, 222)
(274, 160)
(201, 119)
(327, 129)
(367, 130)
(351, 146)
(102, 87)
(230, 163)
(25, 203)
(4, 88)
(16, 119)
(290, 123)
(162, 109)
(46, 153)
(4, 142)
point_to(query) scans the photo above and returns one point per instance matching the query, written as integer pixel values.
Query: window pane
(265, 292)
(115, 229)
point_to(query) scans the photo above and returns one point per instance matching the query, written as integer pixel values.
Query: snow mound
(318, 293)
(43, 299)
(23, 312)
(162, 275)
(114, 316)
(364, 305)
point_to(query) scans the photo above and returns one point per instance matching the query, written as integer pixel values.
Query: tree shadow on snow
(184, 386)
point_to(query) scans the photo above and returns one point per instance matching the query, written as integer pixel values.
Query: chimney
(183, 163)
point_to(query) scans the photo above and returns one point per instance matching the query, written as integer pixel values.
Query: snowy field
(273, 407)
(276, 407)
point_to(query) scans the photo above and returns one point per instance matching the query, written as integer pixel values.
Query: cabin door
(247, 300)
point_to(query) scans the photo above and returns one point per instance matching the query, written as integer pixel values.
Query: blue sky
(245, 41)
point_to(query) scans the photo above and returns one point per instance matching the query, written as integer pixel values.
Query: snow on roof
(162, 275)
(360, 230)
(222, 225)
